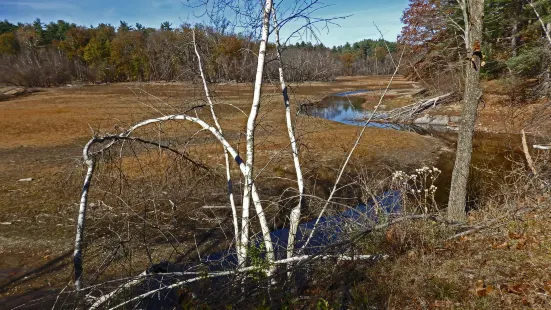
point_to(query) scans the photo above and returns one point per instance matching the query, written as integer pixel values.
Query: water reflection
(349, 110)
(340, 109)
(352, 92)
(494, 152)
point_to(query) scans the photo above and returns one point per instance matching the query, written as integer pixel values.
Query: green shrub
(528, 63)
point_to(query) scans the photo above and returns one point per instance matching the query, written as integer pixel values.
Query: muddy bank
(497, 112)
(494, 154)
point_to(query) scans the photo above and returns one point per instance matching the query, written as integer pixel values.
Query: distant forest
(49, 54)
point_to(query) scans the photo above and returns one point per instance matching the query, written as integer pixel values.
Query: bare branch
(356, 143)
(226, 157)
(545, 30)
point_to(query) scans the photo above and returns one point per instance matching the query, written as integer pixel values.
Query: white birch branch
(527, 153)
(77, 256)
(545, 30)
(226, 157)
(102, 299)
(295, 259)
(202, 276)
(294, 217)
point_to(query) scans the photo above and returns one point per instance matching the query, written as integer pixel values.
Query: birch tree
(241, 223)
(473, 16)
(250, 192)
(251, 126)
(546, 27)
(296, 211)
(226, 155)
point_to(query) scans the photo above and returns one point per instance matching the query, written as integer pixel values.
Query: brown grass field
(505, 266)
(42, 135)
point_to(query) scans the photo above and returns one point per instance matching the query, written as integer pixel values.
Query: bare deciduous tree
(243, 235)
(473, 16)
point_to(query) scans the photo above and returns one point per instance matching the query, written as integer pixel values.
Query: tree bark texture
(474, 16)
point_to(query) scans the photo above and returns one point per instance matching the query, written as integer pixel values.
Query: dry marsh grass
(503, 264)
(42, 135)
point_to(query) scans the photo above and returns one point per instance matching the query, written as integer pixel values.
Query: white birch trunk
(294, 217)
(77, 256)
(251, 124)
(226, 157)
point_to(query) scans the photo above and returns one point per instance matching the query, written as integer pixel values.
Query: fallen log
(407, 113)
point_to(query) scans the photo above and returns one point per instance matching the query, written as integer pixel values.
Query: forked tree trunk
(473, 14)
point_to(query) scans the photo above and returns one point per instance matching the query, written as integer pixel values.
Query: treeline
(367, 57)
(514, 47)
(57, 53)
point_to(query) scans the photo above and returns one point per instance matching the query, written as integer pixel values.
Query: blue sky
(150, 13)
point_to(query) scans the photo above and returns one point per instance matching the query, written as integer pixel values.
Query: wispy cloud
(42, 5)
(164, 3)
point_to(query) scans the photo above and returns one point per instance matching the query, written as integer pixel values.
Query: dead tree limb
(88, 159)
(527, 153)
(406, 113)
(77, 256)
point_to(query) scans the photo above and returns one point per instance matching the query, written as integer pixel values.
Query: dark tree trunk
(517, 24)
(514, 38)
(473, 14)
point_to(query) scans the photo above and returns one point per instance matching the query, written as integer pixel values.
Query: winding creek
(492, 154)
(492, 157)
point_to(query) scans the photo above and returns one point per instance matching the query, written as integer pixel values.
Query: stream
(491, 154)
